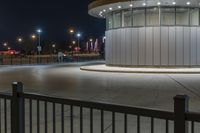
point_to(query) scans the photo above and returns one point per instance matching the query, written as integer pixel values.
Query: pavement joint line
(181, 84)
(109, 126)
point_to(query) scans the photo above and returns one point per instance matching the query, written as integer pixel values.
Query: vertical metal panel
(193, 46)
(198, 46)
(114, 48)
(106, 47)
(110, 47)
(186, 46)
(157, 46)
(123, 47)
(179, 46)
(128, 46)
(142, 46)
(172, 46)
(135, 46)
(149, 46)
(118, 46)
(164, 46)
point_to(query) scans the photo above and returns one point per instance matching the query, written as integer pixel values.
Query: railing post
(17, 109)
(180, 108)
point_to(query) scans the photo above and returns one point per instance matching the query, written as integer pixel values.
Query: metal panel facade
(153, 46)
(123, 47)
(198, 46)
(128, 46)
(142, 46)
(172, 46)
(179, 46)
(118, 47)
(157, 47)
(164, 46)
(193, 46)
(149, 46)
(186, 46)
(135, 46)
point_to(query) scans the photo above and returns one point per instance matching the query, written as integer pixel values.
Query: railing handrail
(147, 112)
(192, 116)
(132, 110)
(180, 116)
(5, 95)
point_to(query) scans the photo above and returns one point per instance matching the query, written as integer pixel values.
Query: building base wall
(154, 46)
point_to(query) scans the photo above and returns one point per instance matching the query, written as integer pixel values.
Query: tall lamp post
(39, 31)
(54, 46)
(71, 32)
(22, 47)
(33, 37)
(78, 36)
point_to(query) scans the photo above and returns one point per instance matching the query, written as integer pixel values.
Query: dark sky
(22, 17)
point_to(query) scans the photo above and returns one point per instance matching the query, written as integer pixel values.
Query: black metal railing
(29, 113)
(20, 60)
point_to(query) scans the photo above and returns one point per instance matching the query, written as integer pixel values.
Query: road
(68, 81)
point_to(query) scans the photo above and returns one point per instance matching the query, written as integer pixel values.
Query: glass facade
(168, 16)
(182, 16)
(116, 19)
(127, 18)
(138, 17)
(153, 16)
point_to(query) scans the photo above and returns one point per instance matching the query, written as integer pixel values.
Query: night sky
(54, 17)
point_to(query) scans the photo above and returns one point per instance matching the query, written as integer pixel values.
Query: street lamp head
(39, 31)
(73, 42)
(33, 36)
(5, 44)
(91, 40)
(78, 35)
(71, 31)
(53, 45)
(19, 39)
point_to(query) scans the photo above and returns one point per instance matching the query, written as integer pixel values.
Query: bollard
(17, 109)
(180, 108)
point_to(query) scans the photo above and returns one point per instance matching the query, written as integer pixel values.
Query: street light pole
(39, 43)
(78, 36)
(39, 31)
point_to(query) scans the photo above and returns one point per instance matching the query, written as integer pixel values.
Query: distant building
(158, 33)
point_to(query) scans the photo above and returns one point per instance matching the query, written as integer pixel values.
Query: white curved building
(158, 33)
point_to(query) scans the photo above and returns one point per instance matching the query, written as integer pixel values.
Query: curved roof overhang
(99, 8)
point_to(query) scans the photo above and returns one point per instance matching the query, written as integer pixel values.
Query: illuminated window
(127, 18)
(139, 17)
(117, 20)
(168, 16)
(152, 16)
(182, 16)
(109, 22)
(194, 16)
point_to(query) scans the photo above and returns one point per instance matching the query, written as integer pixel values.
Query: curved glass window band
(153, 16)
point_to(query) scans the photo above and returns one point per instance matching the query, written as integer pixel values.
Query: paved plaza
(68, 81)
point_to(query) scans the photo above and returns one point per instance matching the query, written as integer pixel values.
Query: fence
(27, 113)
(19, 60)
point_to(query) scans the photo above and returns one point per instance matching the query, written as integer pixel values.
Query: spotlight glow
(188, 3)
